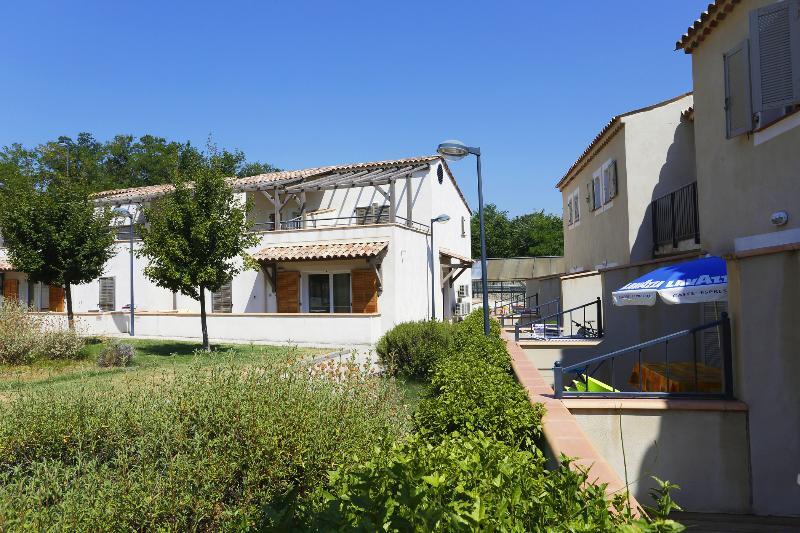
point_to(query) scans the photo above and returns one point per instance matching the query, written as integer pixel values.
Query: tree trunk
(68, 296)
(204, 326)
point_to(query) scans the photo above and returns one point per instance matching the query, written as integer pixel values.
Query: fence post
(558, 379)
(727, 354)
(516, 332)
(599, 318)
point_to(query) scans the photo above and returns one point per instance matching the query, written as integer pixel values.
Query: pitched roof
(5, 262)
(331, 250)
(283, 177)
(705, 24)
(608, 132)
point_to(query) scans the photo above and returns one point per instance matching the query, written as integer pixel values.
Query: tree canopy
(55, 234)
(198, 235)
(532, 234)
(123, 161)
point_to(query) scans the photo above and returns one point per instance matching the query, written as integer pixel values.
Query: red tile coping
(561, 430)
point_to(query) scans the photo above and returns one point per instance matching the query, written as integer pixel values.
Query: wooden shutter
(738, 105)
(11, 289)
(107, 294)
(288, 292)
(56, 298)
(221, 300)
(365, 291)
(775, 57)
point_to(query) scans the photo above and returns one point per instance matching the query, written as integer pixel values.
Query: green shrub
(463, 483)
(205, 448)
(412, 348)
(116, 353)
(26, 337)
(473, 324)
(469, 394)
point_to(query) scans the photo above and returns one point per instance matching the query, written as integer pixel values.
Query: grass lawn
(154, 358)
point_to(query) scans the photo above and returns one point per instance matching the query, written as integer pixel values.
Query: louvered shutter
(606, 184)
(107, 293)
(11, 289)
(738, 104)
(364, 287)
(288, 292)
(56, 298)
(775, 57)
(612, 179)
(221, 300)
(569, 211)
(576, 205)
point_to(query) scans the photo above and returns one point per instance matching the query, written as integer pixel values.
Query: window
(762, 73)
(609, 180)
(107, 293)
(373, 214)
(576, 205)
(597, 191)
(222, 300)
(569, 211)
(329, 293)
(463, 226)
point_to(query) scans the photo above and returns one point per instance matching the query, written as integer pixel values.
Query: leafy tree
(533, 234)
(55, 233)
(198, 235)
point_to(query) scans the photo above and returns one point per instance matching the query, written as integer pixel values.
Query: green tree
(198, 235)
(55, 233)
(532, 234)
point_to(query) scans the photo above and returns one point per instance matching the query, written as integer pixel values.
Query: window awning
(447, 253)
(318, 251)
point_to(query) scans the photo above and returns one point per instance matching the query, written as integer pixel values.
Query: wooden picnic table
(655, 377)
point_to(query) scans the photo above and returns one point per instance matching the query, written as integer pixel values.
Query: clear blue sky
(302, 84)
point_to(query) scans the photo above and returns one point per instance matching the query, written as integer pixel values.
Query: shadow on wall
(678, 170)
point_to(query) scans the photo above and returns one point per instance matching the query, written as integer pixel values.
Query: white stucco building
(345, 253)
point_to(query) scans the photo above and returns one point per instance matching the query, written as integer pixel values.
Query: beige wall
(577, 290)
(705, 452)
(601, 236)
(763, 300)
(655, 155)
(739, 184)
(659, 147)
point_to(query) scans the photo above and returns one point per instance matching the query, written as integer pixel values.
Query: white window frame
(306, 289)
(597, 191)
(598, 177)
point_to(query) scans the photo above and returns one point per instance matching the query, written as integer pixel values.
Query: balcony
(675, 221)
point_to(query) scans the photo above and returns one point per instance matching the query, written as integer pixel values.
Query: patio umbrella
(697, 281)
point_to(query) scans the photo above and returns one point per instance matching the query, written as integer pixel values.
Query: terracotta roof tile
(709, 19)
(448, 253)
(331, 250)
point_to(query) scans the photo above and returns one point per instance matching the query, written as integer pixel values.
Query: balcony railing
(675, 217)
(337, 222)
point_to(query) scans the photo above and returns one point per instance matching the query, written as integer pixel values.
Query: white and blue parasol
(697, 281)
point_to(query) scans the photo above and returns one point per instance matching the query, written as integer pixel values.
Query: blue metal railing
(553, 325)
(519, 306)
(582, 369)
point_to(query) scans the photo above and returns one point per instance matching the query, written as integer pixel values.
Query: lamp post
(126, 213)
(441, 218)
(65, 144)
(455, 150)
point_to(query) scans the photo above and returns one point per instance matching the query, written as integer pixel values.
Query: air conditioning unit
(463, 308)
(463, 291)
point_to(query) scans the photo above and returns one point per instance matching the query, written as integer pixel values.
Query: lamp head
(453, 150)
(441, 218)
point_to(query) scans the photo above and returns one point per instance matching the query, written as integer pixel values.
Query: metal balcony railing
(554, 325)
(675, 217)
(675, 378)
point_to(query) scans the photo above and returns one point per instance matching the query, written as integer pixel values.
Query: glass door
(341, 293)
(319, 293)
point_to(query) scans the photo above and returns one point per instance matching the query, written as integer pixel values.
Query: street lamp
(65, 144)
(455, 150)
(126, 213)
(441, 218)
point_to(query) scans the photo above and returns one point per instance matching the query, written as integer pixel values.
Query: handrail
(558, 315)
(582, 368)
(331, 222)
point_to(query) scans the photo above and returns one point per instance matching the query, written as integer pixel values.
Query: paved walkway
(562, 433)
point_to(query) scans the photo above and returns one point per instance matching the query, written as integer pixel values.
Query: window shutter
(364, 286)
(222, 300)
(107, 293)
(612, 182)
(738, 104)
(288, 292)
(597, 192)
(569, 211)
(576, 205)
(606, 184)
(11, 289)
(775, 57)
(56, 298)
